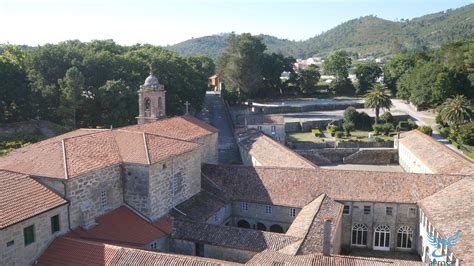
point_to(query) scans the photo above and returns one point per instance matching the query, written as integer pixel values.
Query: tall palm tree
(377, 99)
(456, 111)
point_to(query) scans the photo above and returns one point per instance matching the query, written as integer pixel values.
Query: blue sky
(159, 22)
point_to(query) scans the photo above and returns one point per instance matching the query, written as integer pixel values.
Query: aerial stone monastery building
(153, 194)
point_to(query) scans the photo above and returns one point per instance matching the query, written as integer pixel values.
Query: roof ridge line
(166, 137)
(66, 173)
(312, 219)
(146, 149)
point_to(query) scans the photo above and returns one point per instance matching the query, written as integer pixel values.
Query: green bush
(332, 129)
(348, 127)
(378, 128)
(386, 117)
(316, 132)
(444, 131)
(339, 134)
(466, 134)
(386, 128)
(411, 124)
(364, 121)
(426, 130)
(351, 115)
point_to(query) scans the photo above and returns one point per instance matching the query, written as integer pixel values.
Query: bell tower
(151, 100)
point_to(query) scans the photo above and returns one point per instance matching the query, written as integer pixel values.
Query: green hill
(366, 35)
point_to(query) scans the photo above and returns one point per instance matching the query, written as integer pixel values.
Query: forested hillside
(366, 35)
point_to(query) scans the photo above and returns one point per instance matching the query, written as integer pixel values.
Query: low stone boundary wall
(350, 156)
(304, 108)
(360, 144)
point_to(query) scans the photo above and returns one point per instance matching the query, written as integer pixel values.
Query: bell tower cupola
(151, 100)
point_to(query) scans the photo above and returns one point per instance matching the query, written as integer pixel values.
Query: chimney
(327, 236)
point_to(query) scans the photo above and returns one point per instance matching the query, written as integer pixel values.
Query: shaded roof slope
(22, 197)
(269, 152)
(436, 156)
(270, 185)
(451, 209)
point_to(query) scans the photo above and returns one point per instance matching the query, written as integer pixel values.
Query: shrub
(351, 115)
(386, 128)
(466, 134)
(444, 131)
(426, 130)
(316, 132)
(364, 121)
(411, 124)
(386, 117)
(339, 134)
(348, 127)
(378, 128)
(332, 129)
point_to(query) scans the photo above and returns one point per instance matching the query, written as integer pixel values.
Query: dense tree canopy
(39, 82)
(367, 74)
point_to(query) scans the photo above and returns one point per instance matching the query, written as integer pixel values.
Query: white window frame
(268, 209)
(359, 228)
(387, 211)
(406, 233)
(244, 206)
(348, 208)
(292, 212)
(369, 207)
(410, 214)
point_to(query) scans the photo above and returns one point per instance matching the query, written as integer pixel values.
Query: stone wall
(303, 108)
(136, 187)
(45, 128)
(378, 216)
(85, 193)
(221, 216)
(182, 247)
(373, 156)
(363, 144)
(326, 156)
(173, 181)
(278, 133)
(19, 254)
(210, 148)
(56, 185)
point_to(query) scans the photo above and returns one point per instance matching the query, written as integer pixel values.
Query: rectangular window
(29, 234)
(154, 245)
(273, 128)
(10, 243)
(55, 224)
(103, 199)
(259, 128)
(347, 209)
(366, 209)
(412, 212)
(268, 209)
(244, 207)
(292, 212)
(389, 211)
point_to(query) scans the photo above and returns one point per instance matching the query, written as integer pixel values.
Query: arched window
(276, 228)
(359, 235)
(404, 237)
(147, 107)
(382, 237)
(261, 227)
(243, 224)
(160, 103)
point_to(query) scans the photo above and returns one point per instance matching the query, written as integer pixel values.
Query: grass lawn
(303, 137)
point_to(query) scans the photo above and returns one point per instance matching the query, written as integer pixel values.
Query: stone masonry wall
(373, 156)
(18, 253)
(173, 181)
(136, 187)
(84, 193)
(210, 148)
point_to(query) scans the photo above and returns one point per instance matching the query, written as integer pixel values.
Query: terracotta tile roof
(451, 209)
(436, 156)
(270, 185)
(69, 251)
(81, 151)
(309, 226)
(22, 197)
(229, 236)
(278, 258)
(265, 119)
(182, 127)
(122, 226)
(269, 152)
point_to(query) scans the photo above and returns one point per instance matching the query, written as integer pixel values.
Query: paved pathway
(213, 112)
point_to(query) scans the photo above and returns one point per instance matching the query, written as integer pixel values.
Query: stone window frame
(268, 209)
(367, 209)
(411, 212)
(292, 212)
(29, 239)
(405, 237)
(364, 231)
(244, 206)
(55, 224)
(389, 211)
(346, 210)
